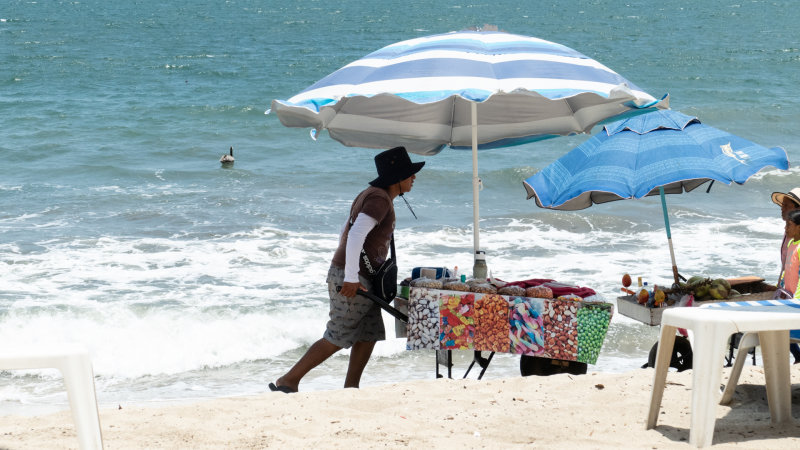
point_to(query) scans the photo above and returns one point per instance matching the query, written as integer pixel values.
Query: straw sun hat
(794, 195)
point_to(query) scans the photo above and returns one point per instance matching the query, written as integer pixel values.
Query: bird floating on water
(227, 159)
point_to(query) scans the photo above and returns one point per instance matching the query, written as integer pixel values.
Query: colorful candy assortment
(560, 328)
(423, 320)
(560, 325)
(491, 323)
(456, 326)
(526, 327)
(593, 322)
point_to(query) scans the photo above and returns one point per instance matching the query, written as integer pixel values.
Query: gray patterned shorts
(352, 319)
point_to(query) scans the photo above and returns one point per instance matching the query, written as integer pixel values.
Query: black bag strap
(368, 264)
(351, 220)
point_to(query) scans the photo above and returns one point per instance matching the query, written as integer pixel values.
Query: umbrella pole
(475, 179)
(479, 261)
(669, 234)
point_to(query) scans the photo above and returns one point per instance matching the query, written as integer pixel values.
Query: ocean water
(120, 230)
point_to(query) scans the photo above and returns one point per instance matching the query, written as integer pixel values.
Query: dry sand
(597, 410)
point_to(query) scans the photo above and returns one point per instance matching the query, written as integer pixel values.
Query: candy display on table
(592, 327)
(456, 325)
(564, 328)
(527, 326)
(491, 323)
(561, 331)
(423, 320)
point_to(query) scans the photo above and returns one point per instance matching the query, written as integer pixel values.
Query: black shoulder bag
(384, 280)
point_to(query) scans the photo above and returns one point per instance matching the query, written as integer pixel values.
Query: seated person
(791, 269)
(788, 202)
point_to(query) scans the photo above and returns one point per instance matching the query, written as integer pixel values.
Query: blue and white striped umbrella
(650, 154)
(464, 89)
(419, 94)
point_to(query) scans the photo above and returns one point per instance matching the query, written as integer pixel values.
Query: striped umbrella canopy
(650, 154)
(469, 89)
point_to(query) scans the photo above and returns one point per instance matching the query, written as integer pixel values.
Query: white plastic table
(712, 327)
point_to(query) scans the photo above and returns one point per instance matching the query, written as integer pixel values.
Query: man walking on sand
(355, 321)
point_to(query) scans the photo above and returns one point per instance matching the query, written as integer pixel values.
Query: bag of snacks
(426, 283)
(456, 286)
(483, 288)
(516, 291)
(539, 292)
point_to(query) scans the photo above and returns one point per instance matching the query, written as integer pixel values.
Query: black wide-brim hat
(394, 166)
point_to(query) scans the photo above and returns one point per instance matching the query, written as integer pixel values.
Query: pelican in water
(227, 159)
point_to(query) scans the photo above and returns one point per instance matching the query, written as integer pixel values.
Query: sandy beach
(597, 410)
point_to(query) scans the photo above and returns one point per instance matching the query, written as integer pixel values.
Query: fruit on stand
(701, 288)
(695, 280)
(642, 296)
(700, 291)
(704, 288)
(658, 297)
(626, 282)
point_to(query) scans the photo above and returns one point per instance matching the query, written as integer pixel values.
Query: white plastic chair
(748, 342)
(711, 329)
(74, 364)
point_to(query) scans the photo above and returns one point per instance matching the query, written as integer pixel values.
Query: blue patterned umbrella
(650, 154)
(464, 90)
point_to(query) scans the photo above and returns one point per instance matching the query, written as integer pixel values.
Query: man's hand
(350, 289)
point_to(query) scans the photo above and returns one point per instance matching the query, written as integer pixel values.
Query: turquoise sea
(120, 230)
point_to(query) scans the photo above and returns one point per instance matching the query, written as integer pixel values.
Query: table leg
(775, 352)
(710, 341)
(663, 357)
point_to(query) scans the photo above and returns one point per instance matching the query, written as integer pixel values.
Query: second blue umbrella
(650, 154)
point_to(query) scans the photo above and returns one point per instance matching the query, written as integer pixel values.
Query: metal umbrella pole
(675, 274)
(479, 261)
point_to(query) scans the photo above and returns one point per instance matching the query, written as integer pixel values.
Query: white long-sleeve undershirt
(355, 242)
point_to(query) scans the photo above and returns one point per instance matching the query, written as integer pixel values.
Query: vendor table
(562, 328)
(750, 287)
